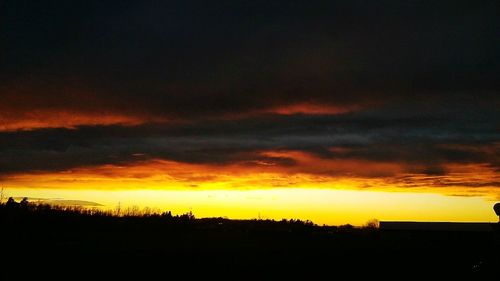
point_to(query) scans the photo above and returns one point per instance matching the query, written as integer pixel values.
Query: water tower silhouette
(497, 210)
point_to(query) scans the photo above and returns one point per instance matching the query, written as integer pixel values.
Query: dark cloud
(424, 145)
(418, 79)
(188, 59)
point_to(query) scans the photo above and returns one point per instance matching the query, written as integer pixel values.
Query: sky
(320, 105)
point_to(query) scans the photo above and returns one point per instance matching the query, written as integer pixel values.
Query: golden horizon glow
(310, 173)
(308, 193)
(322, 206)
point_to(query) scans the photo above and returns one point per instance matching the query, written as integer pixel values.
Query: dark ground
(68, 245)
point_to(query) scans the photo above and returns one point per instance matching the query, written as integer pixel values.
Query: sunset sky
(332, 111)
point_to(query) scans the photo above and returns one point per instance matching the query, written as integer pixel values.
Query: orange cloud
(39, 119)
(312, 109)
(308, 171)
(17, 120)
(311, 164)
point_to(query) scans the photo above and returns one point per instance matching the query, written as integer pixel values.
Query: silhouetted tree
(372, 224)
(11, 203)
(167, 215)
(118, 210)
(24, 203)
(496, 207)
(187, 216)
(346, 227)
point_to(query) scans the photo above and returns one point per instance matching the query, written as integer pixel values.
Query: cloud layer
(362, 89)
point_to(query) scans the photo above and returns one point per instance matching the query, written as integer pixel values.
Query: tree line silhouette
(13, 212)
(72, 238)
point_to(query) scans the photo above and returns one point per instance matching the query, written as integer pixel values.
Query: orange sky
(322, 106)
(287, 183)
(308, 171)
(249, 190)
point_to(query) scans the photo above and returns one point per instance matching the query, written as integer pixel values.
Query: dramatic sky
(232, 96)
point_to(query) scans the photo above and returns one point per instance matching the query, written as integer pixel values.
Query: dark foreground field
(39, 241)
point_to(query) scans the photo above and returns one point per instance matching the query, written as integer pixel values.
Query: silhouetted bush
(372, 224)
(11, 203)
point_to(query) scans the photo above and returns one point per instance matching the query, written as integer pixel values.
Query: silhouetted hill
(60, 242)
